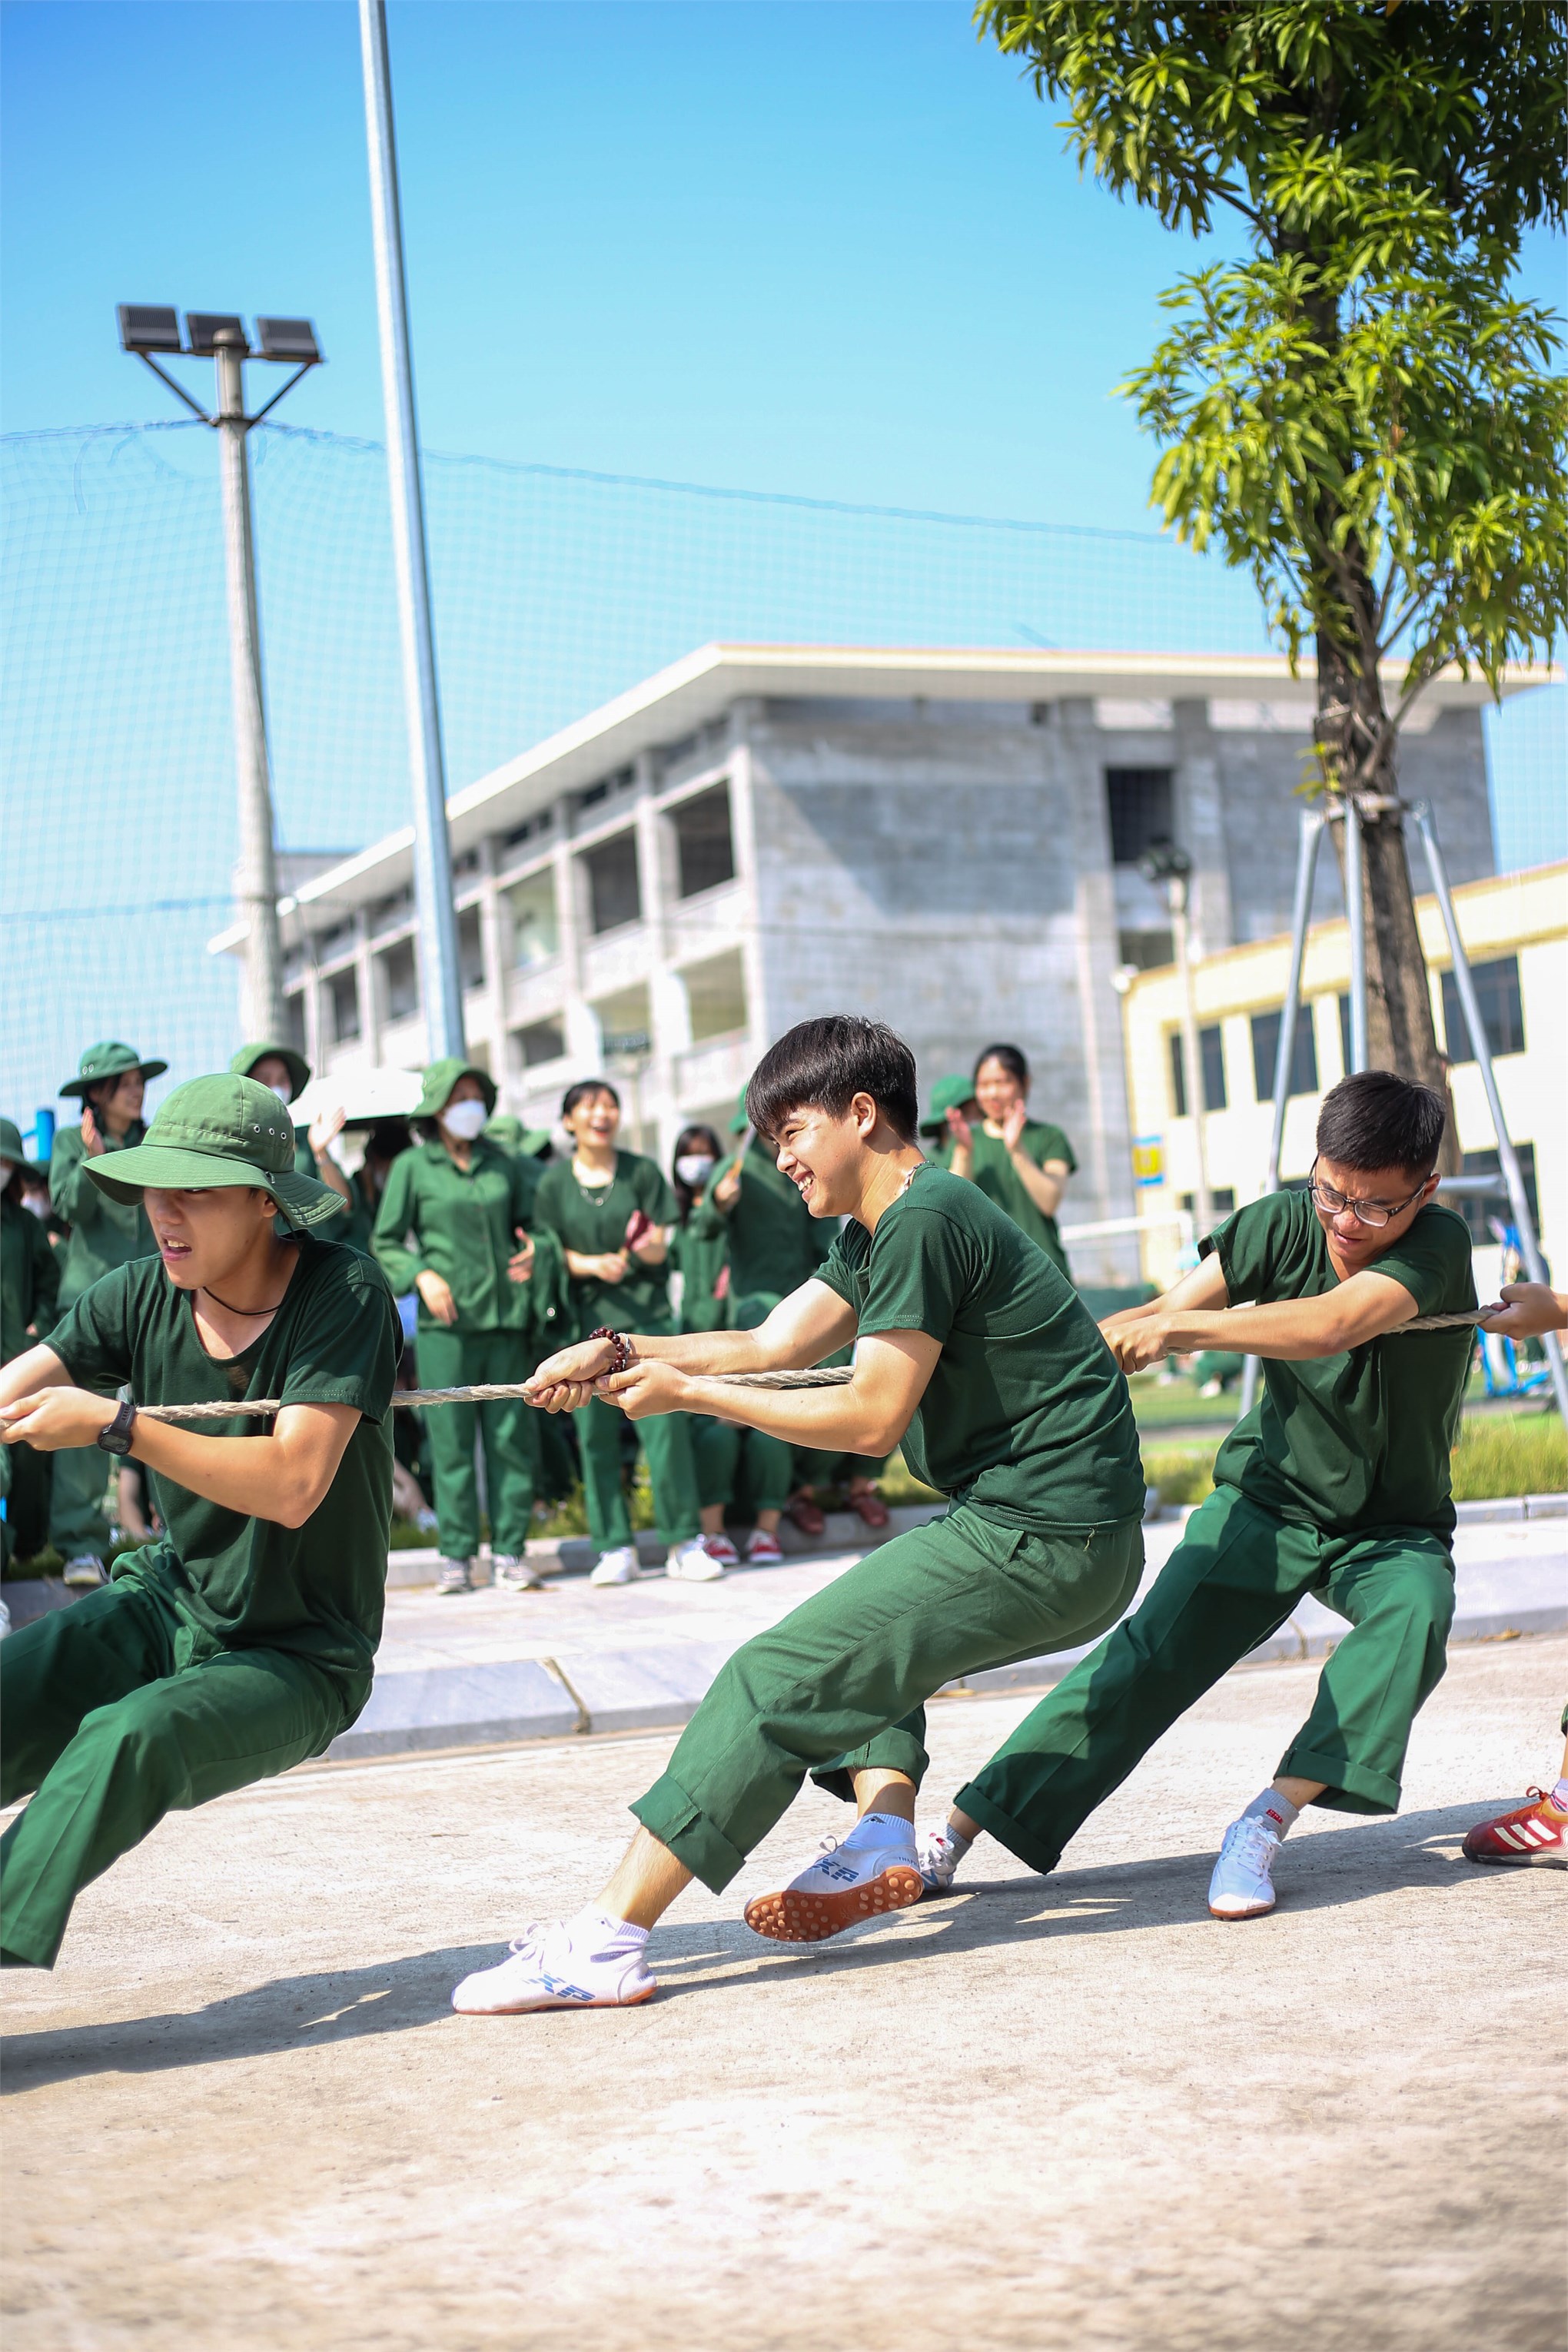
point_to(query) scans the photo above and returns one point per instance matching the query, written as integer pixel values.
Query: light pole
(146, 330)
(1164, 862)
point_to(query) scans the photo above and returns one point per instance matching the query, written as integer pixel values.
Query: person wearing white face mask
(287, 1074)
(453, 1225)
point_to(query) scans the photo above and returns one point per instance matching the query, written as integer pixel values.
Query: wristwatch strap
(117, 1438)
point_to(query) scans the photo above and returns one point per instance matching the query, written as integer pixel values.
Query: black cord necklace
(227, 1309)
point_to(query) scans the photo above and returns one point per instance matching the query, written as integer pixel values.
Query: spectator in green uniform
(109, 1083)
(454, 1226)
(522, 1142)
(243, 1642)
(1023, 1163)
(974, 1352)
(1337, 1483)
(385, 1141)
(613, 1212)
(288, 1074)
(29, 1295)
(950, 1094)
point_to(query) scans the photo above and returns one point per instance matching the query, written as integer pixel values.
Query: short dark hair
(825, 1063)
(1011, 1058)
(583, 1089)
(1377, 1119)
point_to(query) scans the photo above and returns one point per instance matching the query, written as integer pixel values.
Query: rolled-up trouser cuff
(671, 1816)
(893, 1750)
(1005, 1830)
(1349, 1788)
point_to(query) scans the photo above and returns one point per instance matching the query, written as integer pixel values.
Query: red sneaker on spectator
(1535, 1832)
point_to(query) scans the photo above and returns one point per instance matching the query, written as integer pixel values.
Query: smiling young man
(242, 1642)
(975, 1354)
(1337, 1483)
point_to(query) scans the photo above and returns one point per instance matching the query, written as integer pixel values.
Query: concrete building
(945, 839)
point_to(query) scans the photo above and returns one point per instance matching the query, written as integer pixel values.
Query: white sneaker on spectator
(845, 1885)
(1242, 1886)
(454, 1577)
(702, 1559)
(617, 1566)
(763, 1551)
(83, 1571)
(514, 1575)
(549, 1965)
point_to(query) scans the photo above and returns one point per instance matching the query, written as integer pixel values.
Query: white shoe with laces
(701, 1560)
(551, 1967)
(940, 1856)
(1242, 1886)
(617, 1566)
(514, 1575)
(846, 1885)
(83, 1571)
(454, 1577)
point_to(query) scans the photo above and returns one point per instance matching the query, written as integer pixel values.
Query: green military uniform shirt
(991, 1168)
(464, 1223)
(1358, 1440)
(29, 1279)
(240, 1582)
(104, 1232)
(775, 1242)
(700, 1249)
(1026, 1416)
(592, 1220)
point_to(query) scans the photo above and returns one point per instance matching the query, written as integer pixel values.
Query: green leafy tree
(1359, 410)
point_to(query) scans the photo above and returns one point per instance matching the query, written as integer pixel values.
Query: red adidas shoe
(1536, 1832)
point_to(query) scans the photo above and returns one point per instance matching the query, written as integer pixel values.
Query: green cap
(244, 1063)
(522, 1142)
(741, 1120)
(948, 1094)
(11, 1149)
(442, 1077)
(108, 1060)
(219, 1133)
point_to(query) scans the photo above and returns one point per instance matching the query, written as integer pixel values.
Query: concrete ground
(1045, 2114)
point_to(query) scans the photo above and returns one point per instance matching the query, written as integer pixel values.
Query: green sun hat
(521, 1141)
(442, 1077)
(948, 1094)
(216, 1133)
(108, 1060)
(11, 1149)
(244, 1063)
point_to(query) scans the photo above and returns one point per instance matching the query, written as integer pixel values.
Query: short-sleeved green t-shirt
(991, 1169)
(1358, 1440)
(775, 1242)
(240, 1583)
(592, 1220)
(1026, 1416)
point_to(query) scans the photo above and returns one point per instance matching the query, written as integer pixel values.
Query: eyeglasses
(1375, 1213)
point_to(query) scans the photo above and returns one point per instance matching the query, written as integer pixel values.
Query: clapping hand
(519, 1266)
(326, 1129)
(958, 1127)
(1012, 1126)
(89, 1135)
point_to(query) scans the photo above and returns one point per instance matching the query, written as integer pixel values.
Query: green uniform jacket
(104, 1232)
(462, 1223)
(593, 1221)
(775, 1242)
(29, 1280)
(700, 1248)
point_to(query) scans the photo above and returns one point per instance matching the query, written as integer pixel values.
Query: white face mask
(694, 1167)
(464, 1119)
(282, 1092)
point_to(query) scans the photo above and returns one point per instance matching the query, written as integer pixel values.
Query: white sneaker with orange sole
(845, 1885)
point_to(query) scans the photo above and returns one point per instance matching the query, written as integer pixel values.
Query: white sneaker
(454, 1577)
(618, 1566)
(845, 1885)
(703, 1561)
(514, 1575)
(546, 1968)
(1242, 1886)
(83, 1571)
(940, 1856)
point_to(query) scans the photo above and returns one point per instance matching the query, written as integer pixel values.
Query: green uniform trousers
(1232, 1582)
(815, 1469)
(507, 1430)
(80, 1476)
(717, 1447)
(842, 1682)
(666, 1439)
(108, 1712)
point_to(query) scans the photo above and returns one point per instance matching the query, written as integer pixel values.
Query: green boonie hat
(216, 1133)
(244, 1063)
(948, 1094)
(522, 1142)
(442, 1077)
(741, 1120)
(108, 1060)
(11, 1149)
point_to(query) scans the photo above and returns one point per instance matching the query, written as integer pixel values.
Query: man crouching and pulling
(973, 1351)
(242, 1642)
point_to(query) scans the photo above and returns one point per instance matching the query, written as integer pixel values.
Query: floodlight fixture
(292, 340)
(204, 327)
(149, 327)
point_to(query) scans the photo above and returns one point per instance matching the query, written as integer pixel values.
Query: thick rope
(821, 1376)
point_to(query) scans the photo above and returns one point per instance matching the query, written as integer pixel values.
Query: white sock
(955, 1839)
(1560, 1795)
(1276, 1809)
(605, 1938)
(882, 1829)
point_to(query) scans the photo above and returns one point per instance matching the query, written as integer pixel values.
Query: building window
(541, 1041)
(342, 996)
(294, 1020)
(400, 980)
(1143, 811)
(625, 1024)
(716, 993)
(1481, 1210)
(704, 845)
(1145, 951)
(535, 931)
(1211, 1053)
(470, 948)
(1303, 1078)
(614, 895)
(1502, 1012)
(1222, 1201)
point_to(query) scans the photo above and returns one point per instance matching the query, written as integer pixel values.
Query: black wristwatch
(116, 1438)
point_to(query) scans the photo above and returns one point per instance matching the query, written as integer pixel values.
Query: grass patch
(1184, 1473)
(1516, 1454)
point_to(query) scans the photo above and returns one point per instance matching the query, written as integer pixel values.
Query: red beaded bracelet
(626, 1354)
